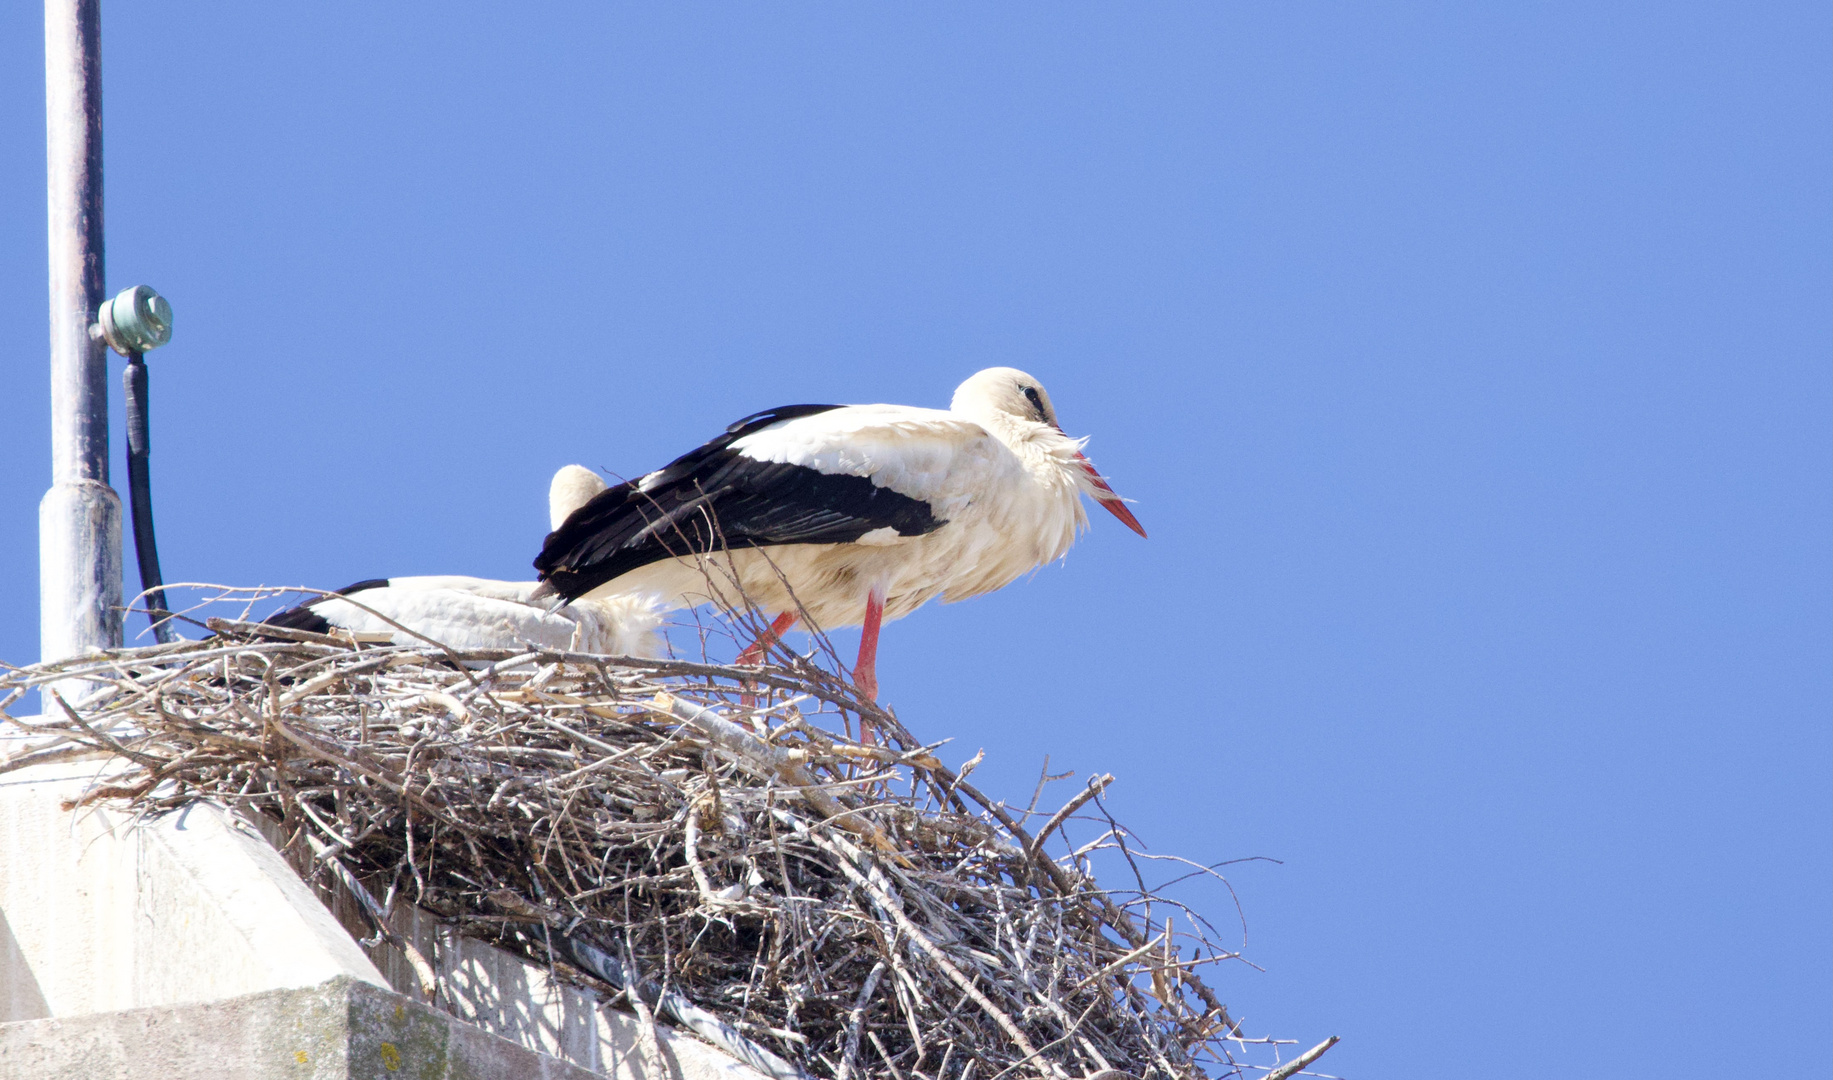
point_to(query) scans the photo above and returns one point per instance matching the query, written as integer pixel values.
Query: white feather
(1008, 486)
(479, 613)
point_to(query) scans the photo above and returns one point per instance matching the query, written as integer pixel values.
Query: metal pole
(79, 521)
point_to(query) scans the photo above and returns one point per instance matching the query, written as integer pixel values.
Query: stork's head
(1006, 391)
(1009, 394)
(573, 486)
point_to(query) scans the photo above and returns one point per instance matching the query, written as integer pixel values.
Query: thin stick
(856, 1017)
(1292, 1068)
(1096, 785)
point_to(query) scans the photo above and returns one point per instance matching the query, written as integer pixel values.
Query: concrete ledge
(101, 914)
(341, 1029)
(186, 945)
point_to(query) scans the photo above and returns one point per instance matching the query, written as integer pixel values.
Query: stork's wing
(801, 474)
(475, 613)
(307, 617)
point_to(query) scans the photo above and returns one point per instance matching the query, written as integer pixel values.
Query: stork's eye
(1037, 402)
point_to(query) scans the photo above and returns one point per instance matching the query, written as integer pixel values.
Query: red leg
(754, 652)
(865, 672)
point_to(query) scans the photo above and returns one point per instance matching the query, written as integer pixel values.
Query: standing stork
(849, 515)
(478, 613)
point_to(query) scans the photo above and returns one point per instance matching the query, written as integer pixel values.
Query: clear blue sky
(1469, 364)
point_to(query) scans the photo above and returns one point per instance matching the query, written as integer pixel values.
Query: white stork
(864, 512)
(477, 613)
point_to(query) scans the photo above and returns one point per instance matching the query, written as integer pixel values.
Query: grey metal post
(79, 521)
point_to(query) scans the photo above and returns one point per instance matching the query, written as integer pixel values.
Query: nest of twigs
(754, 851)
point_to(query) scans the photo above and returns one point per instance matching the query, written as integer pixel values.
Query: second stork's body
(848, 514)
(478, 613)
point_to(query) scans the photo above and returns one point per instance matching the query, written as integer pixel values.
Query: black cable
(140, 498)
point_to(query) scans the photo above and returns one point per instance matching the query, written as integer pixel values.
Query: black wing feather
(302, 617)
(714, 498)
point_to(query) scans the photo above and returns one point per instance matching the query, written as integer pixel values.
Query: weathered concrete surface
(189, 906)
(341, 1029)
(502, 993)
(111, 932)
(102, 915)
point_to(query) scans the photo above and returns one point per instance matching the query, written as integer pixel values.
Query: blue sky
(1468, 364)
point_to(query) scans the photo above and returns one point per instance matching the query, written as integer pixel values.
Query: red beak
(1114, 503)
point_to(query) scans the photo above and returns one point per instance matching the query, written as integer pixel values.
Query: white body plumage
(1001, 481)
(480, 613)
